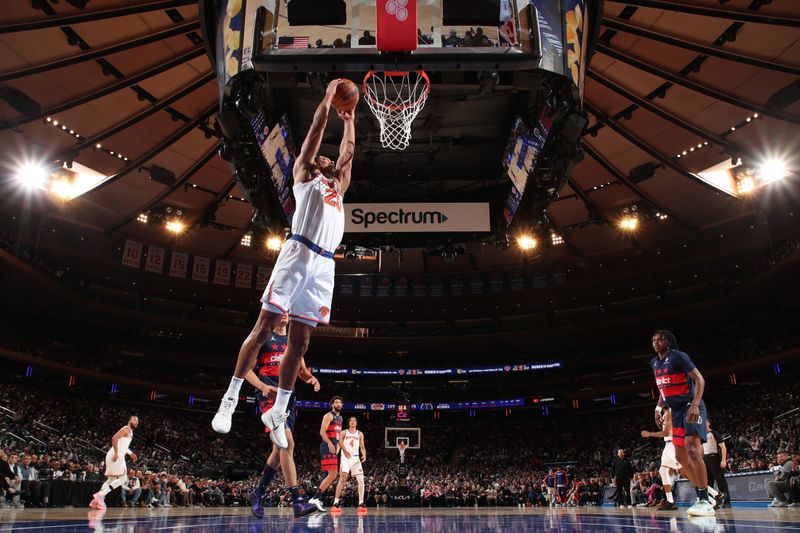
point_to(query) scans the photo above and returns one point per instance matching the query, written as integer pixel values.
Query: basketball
(346, 97)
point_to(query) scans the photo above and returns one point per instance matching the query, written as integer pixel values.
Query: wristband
(659, 408)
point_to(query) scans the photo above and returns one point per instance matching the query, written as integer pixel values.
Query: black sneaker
(667, 506)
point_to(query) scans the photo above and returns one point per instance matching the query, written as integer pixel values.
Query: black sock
(266, 477)
(702, 494)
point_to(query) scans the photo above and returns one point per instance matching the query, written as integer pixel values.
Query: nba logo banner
(155, 259)
(397, 25)
(178, 265)
(222, 273)
(132, 254)
(200, 269)
(244, 276)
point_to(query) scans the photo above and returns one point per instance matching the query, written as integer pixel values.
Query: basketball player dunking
(329, 430)
(116, 469)
(681, 387)
(669, 463)
(265, 380)
(352, 445)
(301, 284)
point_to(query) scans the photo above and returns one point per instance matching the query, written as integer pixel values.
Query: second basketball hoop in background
(346, 96)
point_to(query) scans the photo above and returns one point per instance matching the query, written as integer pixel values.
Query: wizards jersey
(270, 356)
(672, 378)
(334, 428)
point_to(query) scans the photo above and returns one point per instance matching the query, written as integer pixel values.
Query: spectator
(779, 487)
(367, 39)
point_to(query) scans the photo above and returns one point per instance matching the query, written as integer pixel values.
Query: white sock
(670, 499)
(282, 400)
(233, 388)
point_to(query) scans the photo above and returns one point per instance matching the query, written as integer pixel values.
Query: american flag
(292, 42)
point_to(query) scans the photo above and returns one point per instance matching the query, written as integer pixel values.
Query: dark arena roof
(577, 178)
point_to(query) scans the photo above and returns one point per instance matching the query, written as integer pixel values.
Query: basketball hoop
(396, 98)
(401, 447)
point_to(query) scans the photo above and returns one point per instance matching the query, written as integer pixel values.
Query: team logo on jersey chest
(324, 311)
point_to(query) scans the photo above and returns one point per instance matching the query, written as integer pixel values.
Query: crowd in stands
(473, 37)
(181, 461)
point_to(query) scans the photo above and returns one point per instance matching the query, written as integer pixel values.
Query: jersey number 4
(332, 198)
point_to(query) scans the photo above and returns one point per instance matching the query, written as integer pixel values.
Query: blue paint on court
(434, 521)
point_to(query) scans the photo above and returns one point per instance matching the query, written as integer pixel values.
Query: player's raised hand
(331, 90)
(348, 115)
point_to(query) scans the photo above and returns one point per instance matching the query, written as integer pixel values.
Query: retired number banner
(132, 254)
(222, 273)
(155, 259)
(244, 276)
(178, 265)
(201, 268)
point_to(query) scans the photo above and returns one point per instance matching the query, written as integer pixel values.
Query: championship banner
(417, 217)
(155, 259)
(201, 268)
(244, 276)
(576, 36)
(222, 272)
(178, 265)
(262, 278)
(132, 254)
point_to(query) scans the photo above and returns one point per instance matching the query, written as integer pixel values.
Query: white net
(396, 98)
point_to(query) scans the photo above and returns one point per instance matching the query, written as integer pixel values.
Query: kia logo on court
(398, 9)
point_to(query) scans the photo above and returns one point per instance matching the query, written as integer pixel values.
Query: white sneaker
(222, 420)
(277, 430)
(700, 508)
(315, 501)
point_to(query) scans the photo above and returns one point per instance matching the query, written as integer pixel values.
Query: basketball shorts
(115, 468)
(301, 285)
(352, 465)
(680, 428)
(327, 460)
(265, 404)
(668, 457)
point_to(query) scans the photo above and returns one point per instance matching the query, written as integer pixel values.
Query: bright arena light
(62, 189)
(745, 185)
(142, 218)
(274, 243)
(32, 176)
(772, 170)
(526, 242)
(175, 226)
(629, 223)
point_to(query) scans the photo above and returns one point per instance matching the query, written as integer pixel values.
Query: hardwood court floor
(436, 520)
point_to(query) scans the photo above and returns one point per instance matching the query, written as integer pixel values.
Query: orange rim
(391, 74)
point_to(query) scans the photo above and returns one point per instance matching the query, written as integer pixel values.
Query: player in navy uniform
(550, 483)
(562, 484)
(265, 380)
(330, 431)
(681, 387)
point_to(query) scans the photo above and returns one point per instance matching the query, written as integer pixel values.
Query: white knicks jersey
(319, 214)
(352, 442)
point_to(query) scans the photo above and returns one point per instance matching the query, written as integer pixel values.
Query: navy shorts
(681, 429)
(328, 460)
(265, 404)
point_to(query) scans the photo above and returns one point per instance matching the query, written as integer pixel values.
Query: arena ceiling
(130, 87)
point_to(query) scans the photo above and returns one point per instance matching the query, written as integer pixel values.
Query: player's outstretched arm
(347, 149)
(305, 161)
(363, 446)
